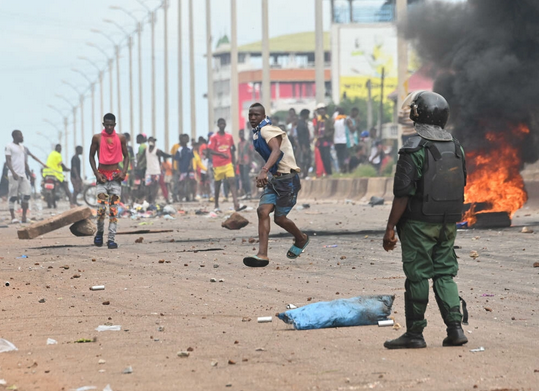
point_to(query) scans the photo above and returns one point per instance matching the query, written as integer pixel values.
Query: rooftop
(291, 43)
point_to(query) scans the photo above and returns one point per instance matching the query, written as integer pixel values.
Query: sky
(40, 42)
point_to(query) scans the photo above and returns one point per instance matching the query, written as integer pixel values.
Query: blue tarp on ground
(356, 311)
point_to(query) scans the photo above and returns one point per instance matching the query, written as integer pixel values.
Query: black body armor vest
(440, 191)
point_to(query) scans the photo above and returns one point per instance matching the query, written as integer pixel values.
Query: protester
(127, 183)
(221, 149)
(323, 132)
(153, 170)
(201, 173)
(352, 128)
(245, 162)
(17, 167)
(166, 175)
(76, 175)
(111, 149)
(280, 180)
(377, 155)
(184, 158)
(339, 139)
(304, 142)
(138, 191)
(429, 195)
(55, 167)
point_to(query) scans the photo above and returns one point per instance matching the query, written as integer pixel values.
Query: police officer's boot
(413, 337)
(455, 335)
(408, 340)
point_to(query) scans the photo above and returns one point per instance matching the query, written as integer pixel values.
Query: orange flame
(494, 176)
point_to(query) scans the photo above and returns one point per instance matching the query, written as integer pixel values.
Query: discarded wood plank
(55, 222)
(144, 231)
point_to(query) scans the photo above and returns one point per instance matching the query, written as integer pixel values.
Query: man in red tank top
(111, 149)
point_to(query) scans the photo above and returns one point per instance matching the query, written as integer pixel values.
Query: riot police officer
(429, 195)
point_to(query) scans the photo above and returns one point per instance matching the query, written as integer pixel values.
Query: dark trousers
(325, 155)
(245, 180)
(342, 154)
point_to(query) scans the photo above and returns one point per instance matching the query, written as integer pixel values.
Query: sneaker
(98, 239)
(111, 244)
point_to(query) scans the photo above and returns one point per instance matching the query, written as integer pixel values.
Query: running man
(221, 149)
(279, 177)
(111, 150)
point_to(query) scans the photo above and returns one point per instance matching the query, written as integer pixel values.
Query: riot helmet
(427, 107)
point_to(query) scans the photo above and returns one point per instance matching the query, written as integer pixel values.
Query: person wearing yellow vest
(56, 168)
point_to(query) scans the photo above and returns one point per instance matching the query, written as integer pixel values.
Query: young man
(76, 174)
(429, 195)
(16, 162)
(127, 183)
(323, 132)
(339, 139)
(304, 141)
(280, 180)
(245, 161)
(153, 169)
(186, 175)
(56, 168)
(221, 149)
(111, 150)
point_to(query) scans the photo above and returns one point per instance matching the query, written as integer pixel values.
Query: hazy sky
(41, 40)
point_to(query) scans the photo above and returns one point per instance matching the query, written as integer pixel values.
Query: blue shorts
(281, 192)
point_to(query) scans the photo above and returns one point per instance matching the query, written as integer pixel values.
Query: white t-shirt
(18, 158)
(340, 131)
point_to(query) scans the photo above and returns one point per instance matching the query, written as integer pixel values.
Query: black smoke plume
(485, 56)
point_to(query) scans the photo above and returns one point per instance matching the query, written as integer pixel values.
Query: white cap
(320, 106)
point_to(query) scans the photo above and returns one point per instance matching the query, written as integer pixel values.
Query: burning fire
(494, 176)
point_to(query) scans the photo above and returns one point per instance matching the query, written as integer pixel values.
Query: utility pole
(111, 87)
(369, 104)
(165, 16)
(65, 136)
(234, 94)
(119, 115)
(152, 21)
(209, 66)
(180, 70)
(319, 53)
(100, 96)
(131, 120)
(381, 112)
(74, 130)
(82, 132)
(402, 64)
(192, 70)
(140, 104)
(266, 81)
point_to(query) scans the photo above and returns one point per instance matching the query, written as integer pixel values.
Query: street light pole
(109, 62)
(192, 70)
(209, 67)
(319, 53)
(180, 70)
(266, 81)
(74, 111)
(118, 81)
(92, 85)
(234, 93)
(152, 16)
(100, 73)
(165, 14)
(65, 126)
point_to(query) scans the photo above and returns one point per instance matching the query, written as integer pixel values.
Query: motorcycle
(49, 190)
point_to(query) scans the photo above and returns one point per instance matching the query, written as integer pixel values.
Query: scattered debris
(97, 288)
(535, 264)
(145, 231)
(245, 319)
(221, 280)
(214, 363)
(330, 246)
(479, 349)
(6, 346)
(51, 341)
(526, 230)
(235, 221)
(84, 227)
(474, 254)
(488, 309)
(376, 201)
(101, 361)
(108, 328)
(139, 240)
(85, 340)
(127, 370)
(183, 353)
(42, 300)
(231, 362)
(213, 280)
(291, 306)
(23, 257)
(386, 323)
(260, 350)
(264, 319)
(106, 302)
(55, 222)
